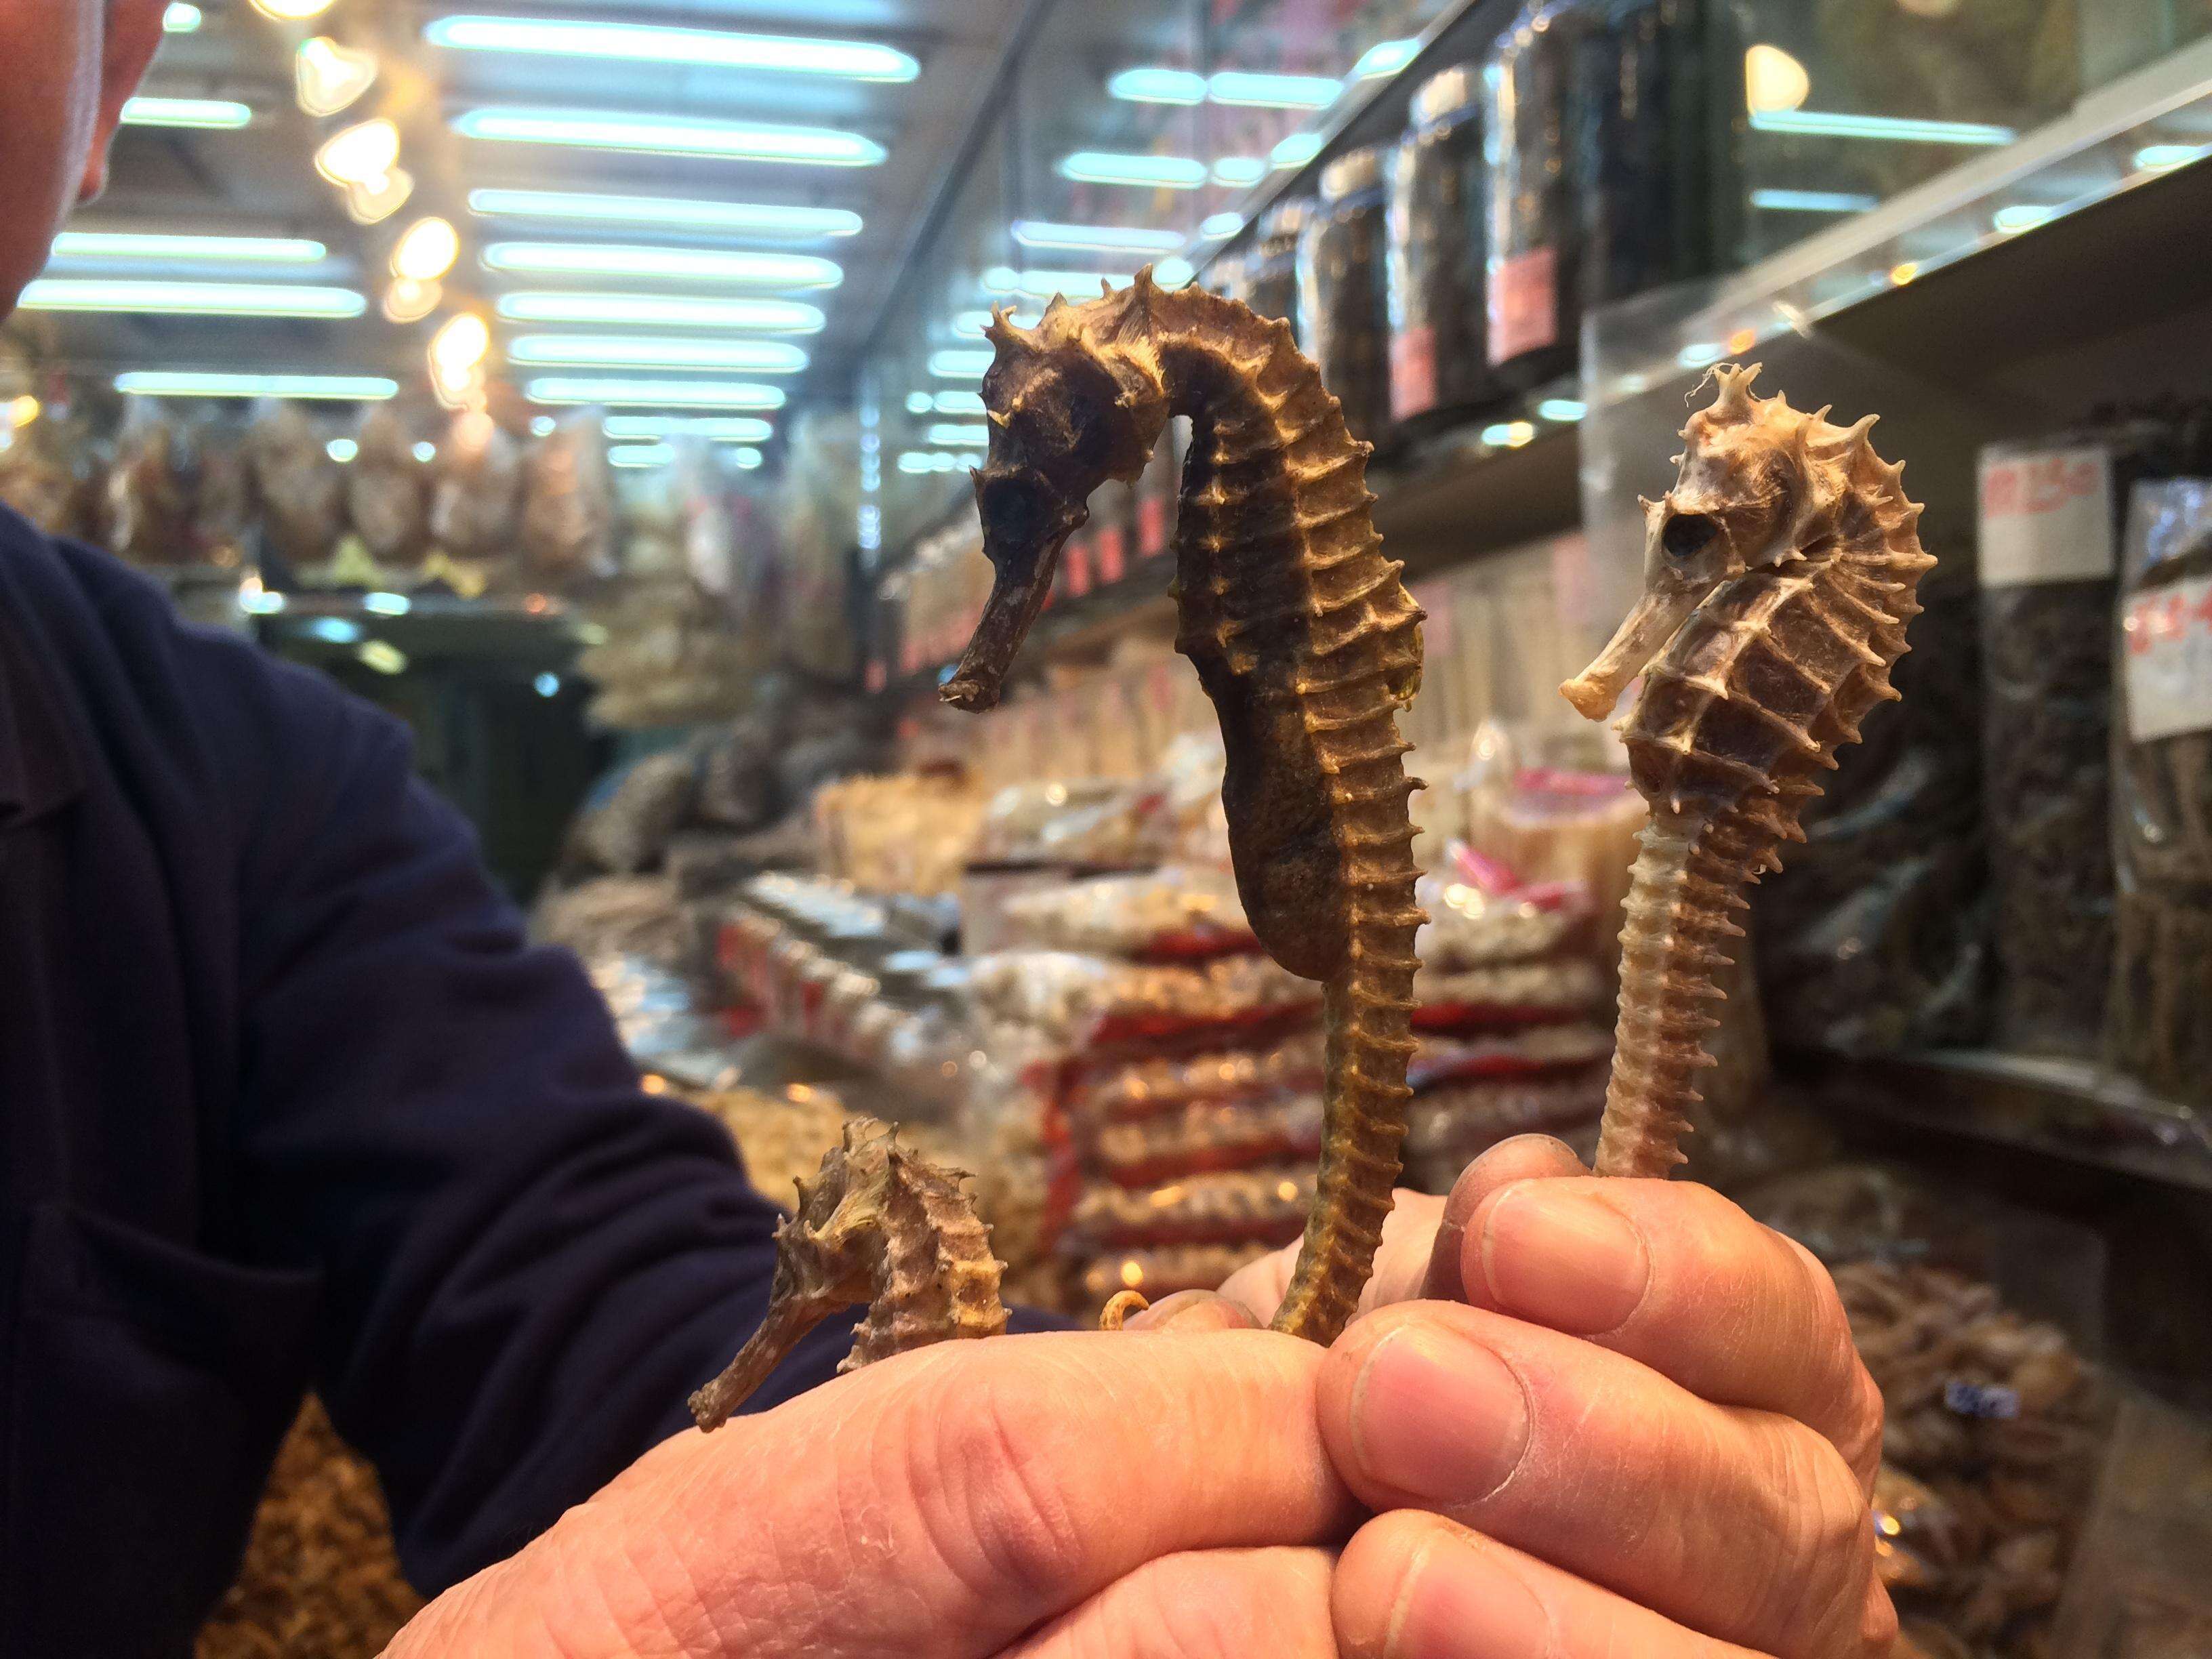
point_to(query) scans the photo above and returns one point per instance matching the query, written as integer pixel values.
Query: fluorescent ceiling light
(211, 114)
(723, 429)
(654, 394)
(1218, 226)
(1296, 150)
(957, 403)
(389, 605)
(1098, 167)
(1174, 272)
(918, 403)
(2160, 158)
(162, 245)
(1243, 89)
(291, 11)
(182, 19)
(935, 460)
(954, 364)
(2020, 215)
(745, 457)
(947, 432)
(1385, 57)
(1239, 171)
(644, 43)
(633, 351)
(1563, 409)
(1099, 238)
(678, 311)
(1045, 284)
(1153, 85)
(344, 451)
(192, 299)
(337, 388)
(672, 135)
(640, 454)
(676, 264)
(1813, 201)
(1895, 129)
(751, 218)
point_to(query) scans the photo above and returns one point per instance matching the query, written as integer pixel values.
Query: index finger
(983, 1488)
(1676, 1276)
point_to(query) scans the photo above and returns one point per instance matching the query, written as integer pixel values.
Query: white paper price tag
(2046, 517)
(2167, 638)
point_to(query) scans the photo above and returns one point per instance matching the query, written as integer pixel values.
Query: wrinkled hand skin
(1625, 1420)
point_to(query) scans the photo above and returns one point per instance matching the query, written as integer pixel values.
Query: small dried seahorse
(880, 1225)
(1303, 636)
(1779, 574)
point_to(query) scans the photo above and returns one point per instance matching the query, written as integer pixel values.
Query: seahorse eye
(1685, 535)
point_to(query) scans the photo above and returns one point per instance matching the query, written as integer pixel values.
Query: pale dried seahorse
(1303, 636)
(1779, 574)
(880, 1225)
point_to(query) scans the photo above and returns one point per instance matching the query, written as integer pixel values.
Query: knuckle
(1813, 1584)
(983, 1488)
(1878, 1630)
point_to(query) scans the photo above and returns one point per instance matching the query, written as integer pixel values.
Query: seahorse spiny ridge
(1779, 574)
(880, 1225)
(1304, 637)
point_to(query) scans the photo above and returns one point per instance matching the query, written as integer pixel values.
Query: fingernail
(1187, 1311)
(1459, 1603)
(1437, 1417)
(1556, 1253)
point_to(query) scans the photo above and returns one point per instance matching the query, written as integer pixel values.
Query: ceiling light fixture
(333, 388)
(646, 42)
(1095, 239)
(182, 19)
(191, 299)
(1296, 150)
(654, 310)
(292, 11)
(426, 251)
(1239, 171)
(678, 265)
(1098, 167)
(1219, 227)
(739, 428)
(954, 364)
(1151, 84)
(672, 135)
(956, 403)
(1773, 79)
(344, 451)
(328, 78)
(1385, 57)
(361, 155)
(1244, 89)
(373, 202)
(1895, 129)
(1812, 201)
(654, 394)
(747, 218)
(918, 403)
(457, 353)
(162, 245)
(1049, 284)
(626, 351)
(408, 300)
(640, 454)
(207, 114)
(949, 432)
(936, 460)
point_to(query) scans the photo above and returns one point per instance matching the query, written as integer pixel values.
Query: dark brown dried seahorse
(1779, 574)
(880, 1225)
(1303, 636)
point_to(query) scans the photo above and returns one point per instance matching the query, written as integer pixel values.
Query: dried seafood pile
(1995, 1433)
(320, 1576)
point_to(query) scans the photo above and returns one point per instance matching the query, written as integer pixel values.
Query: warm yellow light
(373, 202)
(409, 301)
(426, 251)
(1902, 274)
(1742, 341)
(1773, 79)
(23, 412)
(361, 154)
(329, 77)
(292, 11)
(458, 351)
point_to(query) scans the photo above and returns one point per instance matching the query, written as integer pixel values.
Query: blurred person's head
(68, 65)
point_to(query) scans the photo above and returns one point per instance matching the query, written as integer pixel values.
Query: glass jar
(1271, 269)
(1534, 281)
(1344, 290)
(1439, 354)
(1658, 118)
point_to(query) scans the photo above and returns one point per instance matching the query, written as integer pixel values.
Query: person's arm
(529, 1262)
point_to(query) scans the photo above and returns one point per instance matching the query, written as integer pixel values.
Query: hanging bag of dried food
(2159, 1024)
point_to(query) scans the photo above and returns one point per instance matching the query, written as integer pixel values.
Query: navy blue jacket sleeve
(529, 1262)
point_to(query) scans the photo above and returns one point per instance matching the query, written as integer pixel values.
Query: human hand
(1648, 1432)
(1040, 1496)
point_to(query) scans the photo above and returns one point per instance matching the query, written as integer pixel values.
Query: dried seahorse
(880, 1225)
(1779, 574)
(1303, 636)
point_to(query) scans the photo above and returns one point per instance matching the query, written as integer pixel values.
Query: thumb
(1524, 1158)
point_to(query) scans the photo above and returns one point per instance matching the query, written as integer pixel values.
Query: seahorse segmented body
(880, 1225)
(1779, 574)
(1304, 637)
